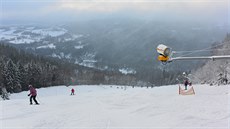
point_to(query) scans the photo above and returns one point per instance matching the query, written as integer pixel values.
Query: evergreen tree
(22, 76)
(11, 77)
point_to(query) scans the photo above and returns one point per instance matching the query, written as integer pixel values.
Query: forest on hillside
(18, 69)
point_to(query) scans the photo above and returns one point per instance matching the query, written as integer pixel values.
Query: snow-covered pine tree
(11, 77)
(22, 76)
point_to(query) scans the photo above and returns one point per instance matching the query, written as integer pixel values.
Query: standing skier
(33, 94)
(184, 80)
(186, 84)
(72, 91)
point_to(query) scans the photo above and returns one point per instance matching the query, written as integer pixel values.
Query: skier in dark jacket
(32, 94)
(186, 84)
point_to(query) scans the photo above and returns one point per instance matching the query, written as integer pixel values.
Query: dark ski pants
(185, 87)
(34, 98)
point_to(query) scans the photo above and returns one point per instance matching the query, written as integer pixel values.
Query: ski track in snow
(106, 107)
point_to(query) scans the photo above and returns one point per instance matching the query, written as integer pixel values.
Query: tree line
(19, 68)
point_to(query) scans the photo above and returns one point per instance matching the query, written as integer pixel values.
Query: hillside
(18, 69)
(212, 71)
(104, 107)
(124, 45)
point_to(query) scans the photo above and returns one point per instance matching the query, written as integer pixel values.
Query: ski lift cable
(205, 49)
(208, 48)
(178, 52)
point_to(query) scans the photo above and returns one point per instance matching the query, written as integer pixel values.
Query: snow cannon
(163, 58)
(164, 52)
(166, 55)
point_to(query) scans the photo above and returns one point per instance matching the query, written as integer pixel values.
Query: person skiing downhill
(32, 94)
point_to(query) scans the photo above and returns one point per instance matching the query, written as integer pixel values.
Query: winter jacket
(72, 90)
(186, 83)
(33, 91)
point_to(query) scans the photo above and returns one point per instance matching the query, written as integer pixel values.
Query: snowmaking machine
(166, 55)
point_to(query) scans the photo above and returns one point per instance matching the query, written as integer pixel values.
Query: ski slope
(113, 107)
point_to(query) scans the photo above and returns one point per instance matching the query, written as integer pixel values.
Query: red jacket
(72, 90)
(33, 91)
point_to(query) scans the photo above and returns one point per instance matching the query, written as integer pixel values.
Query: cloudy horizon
(27, 11)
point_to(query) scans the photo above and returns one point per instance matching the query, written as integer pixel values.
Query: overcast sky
(32, 11)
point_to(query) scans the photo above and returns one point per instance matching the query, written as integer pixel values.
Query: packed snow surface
(118, 107)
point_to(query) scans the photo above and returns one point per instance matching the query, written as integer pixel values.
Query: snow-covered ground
(51, 46)
(113, 107)
(28, 35)
(127, 71)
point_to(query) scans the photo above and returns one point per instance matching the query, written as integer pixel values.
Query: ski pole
(38, 99)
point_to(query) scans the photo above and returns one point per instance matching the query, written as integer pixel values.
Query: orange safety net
(186, 92)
